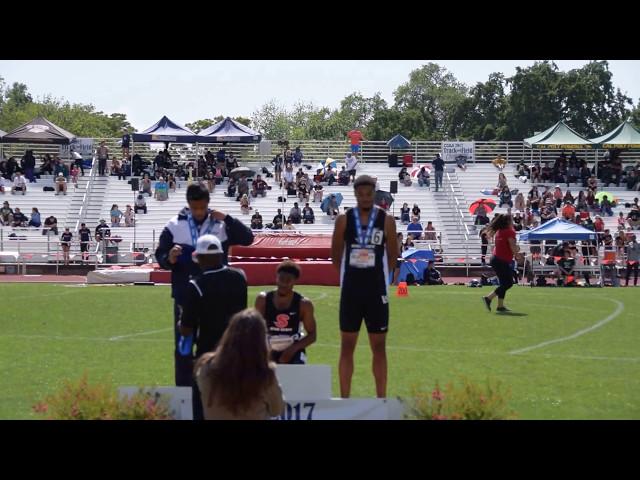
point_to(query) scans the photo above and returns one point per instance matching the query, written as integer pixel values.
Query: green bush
(467, 401)
(100, 401)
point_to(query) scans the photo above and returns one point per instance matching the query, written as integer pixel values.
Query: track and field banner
(452, 150)
(84, 146)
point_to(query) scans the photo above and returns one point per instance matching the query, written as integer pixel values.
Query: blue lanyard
(194, 229)
(364, 238)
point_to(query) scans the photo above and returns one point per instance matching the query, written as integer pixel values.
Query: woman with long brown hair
(238, 381)
(501, 229)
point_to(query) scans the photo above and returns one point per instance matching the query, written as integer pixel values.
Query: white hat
(60, 174)
(209, 245)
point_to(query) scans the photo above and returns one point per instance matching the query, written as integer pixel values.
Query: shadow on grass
(513, 314)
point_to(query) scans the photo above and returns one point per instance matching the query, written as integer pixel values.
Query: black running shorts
(374, 309)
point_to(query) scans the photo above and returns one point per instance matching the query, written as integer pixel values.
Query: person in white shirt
(352, 163)
(288, 178)
(2, 184)
(19, 185)
(77, 161)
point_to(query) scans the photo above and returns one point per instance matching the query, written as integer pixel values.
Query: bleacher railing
(88, 190)
(458, 206)
(319, 150)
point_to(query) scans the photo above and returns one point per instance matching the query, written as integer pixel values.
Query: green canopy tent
(624, 137)
(559, 136)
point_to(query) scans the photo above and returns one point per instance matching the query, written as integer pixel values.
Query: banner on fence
(452, 152)
(84, 146)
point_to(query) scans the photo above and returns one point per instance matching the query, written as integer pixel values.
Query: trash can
(111, 252)
(407, 160)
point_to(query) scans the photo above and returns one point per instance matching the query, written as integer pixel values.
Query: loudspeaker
(135, 184)
(393, 186)
(392, 159)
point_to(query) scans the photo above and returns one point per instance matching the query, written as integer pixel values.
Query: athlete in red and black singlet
(284, 322)
(364, 290)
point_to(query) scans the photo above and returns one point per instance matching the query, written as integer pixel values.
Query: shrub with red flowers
(100, 401)
(467, 401)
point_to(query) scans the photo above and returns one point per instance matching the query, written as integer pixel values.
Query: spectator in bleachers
(288, 225)
(218, 175)
(211, 182)
(288, 155)
(566, 266)
(415, 211)
(529, 218)
(288, 178)
(547, 213)
(221, 155)
(505, 197)
(414, 229)
(351, 162)
(245, 207)
(298, 156)
(329, 176)
(145, 185)
(633, 218)
(522, 170)
(424, 177)
(606, 206)
(256, 221)
(231, 187)
(162, 190)
(318, 191)
(50, 225)
(598, 224)
(430, 232)
(307, 214)
(592, 184)
(484, 244)
(277, 163)
(519, 203)
(438, 166)
(102, 231)
(77, 160)
(621, 220)
(85, 241)
(140, 204)
(115, 167)
(502, 181)
(303, 188)
(231, 163)
(128, 217)
(2, 184)
(74, 176)
(568, 197)
(534, 199)
(518, 222)
(243, 187)
(61, 184)
(499, 162)
(47, 165)
(19, 184)
(633, 260)
(35, 220)
(581, 202)
(19, 218)
(332, 207)
(606, 239)
(28, 164)
(546, 173)
(557, 196)
(568, 211)
(405, 177)
(343, 177)
(12, 167)
(65, 243)
(278, 220)
(171, 182)
(116, 215)
(295, 215)
(481, 216)
(404, 214)
(259, 187)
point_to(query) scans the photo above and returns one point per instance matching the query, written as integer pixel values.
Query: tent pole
(596, 165)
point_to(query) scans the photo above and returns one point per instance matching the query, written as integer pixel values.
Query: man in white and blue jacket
(177, 243)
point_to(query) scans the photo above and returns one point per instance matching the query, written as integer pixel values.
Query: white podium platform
(307, 391)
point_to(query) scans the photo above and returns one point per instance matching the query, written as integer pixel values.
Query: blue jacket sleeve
(237, 232)
(162, 252)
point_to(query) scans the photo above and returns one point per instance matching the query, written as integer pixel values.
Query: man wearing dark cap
(177, 243)
(364, 248)
(211, 299)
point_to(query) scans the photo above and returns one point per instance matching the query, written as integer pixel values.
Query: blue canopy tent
(415, 262)
(558, 229)
(398, 142)
(228, 130)
(165, 130)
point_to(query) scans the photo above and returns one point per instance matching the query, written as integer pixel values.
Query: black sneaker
(487, 303)
(502, 309)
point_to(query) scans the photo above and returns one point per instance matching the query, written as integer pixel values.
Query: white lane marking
(120, 337)
(604, 321)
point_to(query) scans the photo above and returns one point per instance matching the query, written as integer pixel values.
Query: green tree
(485, 108)
(590, 102)
(18, 95)
(272, 120)
(436, 95)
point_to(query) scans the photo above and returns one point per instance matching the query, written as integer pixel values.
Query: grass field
(587, 368)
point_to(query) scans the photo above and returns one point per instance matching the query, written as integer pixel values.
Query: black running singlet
(286, 321)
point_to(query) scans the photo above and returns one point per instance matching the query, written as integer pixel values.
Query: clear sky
(186, 91)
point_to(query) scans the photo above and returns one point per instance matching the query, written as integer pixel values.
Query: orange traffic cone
(403, 290)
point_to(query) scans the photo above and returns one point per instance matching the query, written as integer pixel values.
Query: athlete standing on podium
(364, 248)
